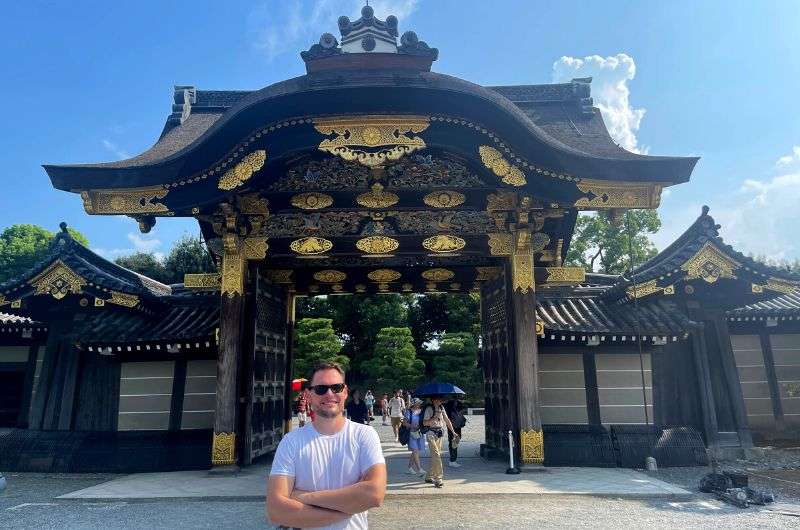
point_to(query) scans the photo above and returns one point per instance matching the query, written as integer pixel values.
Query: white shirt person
(330, 472)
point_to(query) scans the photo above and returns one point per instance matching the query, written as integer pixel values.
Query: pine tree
(314, 342)
(456, 362)
(394, 363)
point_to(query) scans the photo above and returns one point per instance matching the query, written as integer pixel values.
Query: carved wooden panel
(497, 360)
(267, 369)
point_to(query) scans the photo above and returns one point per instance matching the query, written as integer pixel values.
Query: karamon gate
(372, 174)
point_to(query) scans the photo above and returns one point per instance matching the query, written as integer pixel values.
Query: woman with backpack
(412, 420)
(434, 421)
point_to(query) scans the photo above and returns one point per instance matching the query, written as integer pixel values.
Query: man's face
(329, 405)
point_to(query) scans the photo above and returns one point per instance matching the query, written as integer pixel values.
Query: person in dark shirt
(455, 411)
(357, 410)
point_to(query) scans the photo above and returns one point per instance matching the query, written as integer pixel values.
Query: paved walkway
(476, 476)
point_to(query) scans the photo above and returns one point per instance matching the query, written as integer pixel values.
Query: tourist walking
(434, 422)
(396, 408)
(385, 408)
(315, 468)
(302, 408)
(455, 411)
(416, 441)
(357, 410)
(369, 400)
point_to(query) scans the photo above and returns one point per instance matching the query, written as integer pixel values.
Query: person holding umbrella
(434, 421)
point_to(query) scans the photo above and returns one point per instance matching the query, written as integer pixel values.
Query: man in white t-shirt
(330, 472)
(397, 406)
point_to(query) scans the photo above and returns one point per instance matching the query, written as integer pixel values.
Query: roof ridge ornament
(367, 35)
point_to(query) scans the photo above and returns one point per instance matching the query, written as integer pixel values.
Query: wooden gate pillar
(523, 305)
(223, 451)
(287, 399)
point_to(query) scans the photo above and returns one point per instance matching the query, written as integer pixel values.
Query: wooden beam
(71, 373)
(706, 393)
(731, 375)
(30, 373)
(772, 378)
(36, 419)
(590, 382)
(178, 392)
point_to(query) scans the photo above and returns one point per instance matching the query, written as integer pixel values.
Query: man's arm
(286, 511)
(361, 496)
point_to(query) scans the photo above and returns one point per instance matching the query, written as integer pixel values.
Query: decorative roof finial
(63, 226)
(369, 34)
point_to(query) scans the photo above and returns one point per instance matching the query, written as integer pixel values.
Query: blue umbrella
(438, 389)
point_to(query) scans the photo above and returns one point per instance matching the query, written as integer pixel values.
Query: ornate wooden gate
(497, 359)
(266, 367)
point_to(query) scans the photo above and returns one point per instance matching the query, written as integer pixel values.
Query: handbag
(403, 434)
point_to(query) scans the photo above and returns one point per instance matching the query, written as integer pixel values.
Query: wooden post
(731, 378)
(178, 392)
(592, 394)
(523, 306)
(223, 450)
(772, 379)
(30, 372)
(706, 393)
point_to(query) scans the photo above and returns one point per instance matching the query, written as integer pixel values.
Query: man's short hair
(325, 365)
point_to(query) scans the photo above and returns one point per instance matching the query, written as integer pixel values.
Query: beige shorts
(396, 422)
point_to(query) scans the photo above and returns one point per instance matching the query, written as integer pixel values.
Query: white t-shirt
(326, 462)
(396, 407)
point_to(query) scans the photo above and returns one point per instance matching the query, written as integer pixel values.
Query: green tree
(432, 315)
(394, 363)
(601, 245)
(456, 361)
(24, 245)
(315, 341)
(189, 255)
(144, 263)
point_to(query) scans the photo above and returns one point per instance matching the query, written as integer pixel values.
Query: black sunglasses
(321, 390)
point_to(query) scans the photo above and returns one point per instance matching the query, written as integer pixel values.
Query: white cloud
(790, 159)
(294, 25)
(140, 243)
(610, 76)
(114, 149)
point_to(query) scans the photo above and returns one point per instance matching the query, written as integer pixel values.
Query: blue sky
(91, 81)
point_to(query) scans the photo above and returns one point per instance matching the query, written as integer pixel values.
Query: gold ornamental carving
(384, 275)
(500, 244)
(372, 140)
(377, 198)
(565, 274)
(377, 244)
(255, 248)
(710, 264)
(223, 449)
(253, 204)
(58, 281)
(640, 290)
(522, 263)
(312, 201)
(232, 273)
(540, 328)
(438, 275)
(330, 276)
(279, 275)
(532, 447)
(309, 246)
(602, 194)
(444, 199)
(502, 200)
(497, 163)
(241, 172)
(484, 274)
(781, 286)
(123, 299)
(125, 201)
(444, 243)
(202, 281)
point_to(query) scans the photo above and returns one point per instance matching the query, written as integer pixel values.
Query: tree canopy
(189, 255)
(314, 342)
(23, 245)
(600, 245)
(456, 362)
(394, 363)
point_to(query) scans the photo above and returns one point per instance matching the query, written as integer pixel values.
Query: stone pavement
(476, 477)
